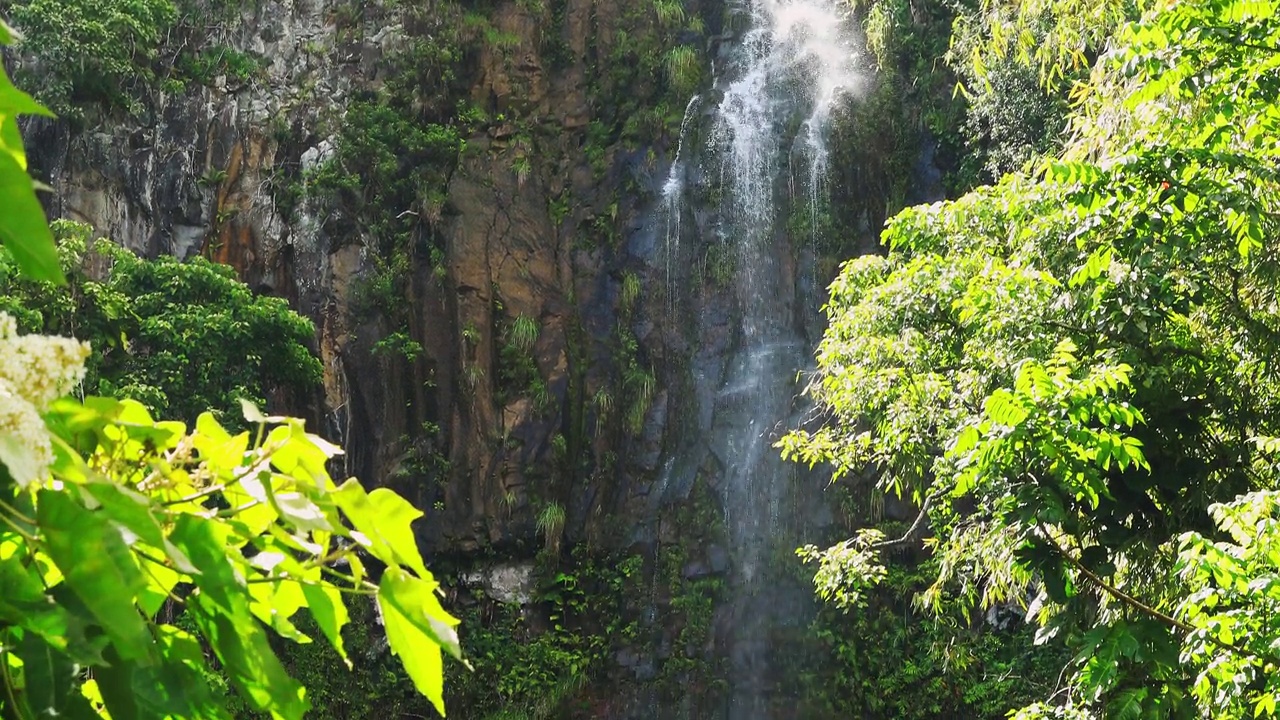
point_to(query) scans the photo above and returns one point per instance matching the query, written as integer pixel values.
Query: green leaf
(1128, 704)
(14, 102)
(300, 454)
(330, 613)
(23, 601)
(1057, 585)
(417, 627)
(965, 441)
(298, 510)
(11, 140)
(98, 567)
(23, 228)
(251, 412)
(383, 518)
(132, 510)
(416, 599)
(52, 681)
(274, 603)
(253, 415)
(1098, 561)
(220, 607)
(175, 688)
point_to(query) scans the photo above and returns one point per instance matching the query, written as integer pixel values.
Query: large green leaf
(99, 569)
(384, 519)
(52, 682)
(417, 628)
(23, 601)
(132, 510)
(220, 607)
(416, 600)
(275, 603)
(330, 613)
(23, 228)
(15, 102)
(175, 688)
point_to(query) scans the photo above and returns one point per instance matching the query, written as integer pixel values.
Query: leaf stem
(16, 513)
(8, 680)
(18, 529)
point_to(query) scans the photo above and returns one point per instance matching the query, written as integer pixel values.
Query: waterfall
(780, 83)
(672, 205)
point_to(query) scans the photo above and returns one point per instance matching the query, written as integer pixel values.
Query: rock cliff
(564, 115)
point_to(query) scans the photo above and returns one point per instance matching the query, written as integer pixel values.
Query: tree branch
(1137, 604)
(911, 531)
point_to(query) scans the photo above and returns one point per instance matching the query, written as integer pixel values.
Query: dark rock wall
(198, 171)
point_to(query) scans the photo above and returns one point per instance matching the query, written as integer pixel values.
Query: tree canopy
(180, 337)
(1071, 373)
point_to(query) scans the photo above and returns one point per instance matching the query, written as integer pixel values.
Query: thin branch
(363, 588)
(261, 463)
(14, 512)
(8, 682)
(1137, 604)
(17, 529)
(232, 512)
(909, 535)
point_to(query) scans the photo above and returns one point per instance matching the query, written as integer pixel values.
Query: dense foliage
(135, 553)
(180, 337)
(1070, 373)
(90, 51)
(235, 535)
(888, 659)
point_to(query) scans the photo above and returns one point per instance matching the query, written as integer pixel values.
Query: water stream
(673, 205)
(777, 83)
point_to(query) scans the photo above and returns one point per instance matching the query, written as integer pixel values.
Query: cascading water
(672, 192)
(778, 85)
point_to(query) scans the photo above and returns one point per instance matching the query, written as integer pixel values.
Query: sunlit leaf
(99, 568)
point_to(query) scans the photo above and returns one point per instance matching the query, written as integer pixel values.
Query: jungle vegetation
(1071, 372)
(1068, 370)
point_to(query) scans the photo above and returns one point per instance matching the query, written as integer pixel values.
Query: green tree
(181, 337)
(1069, 373)
(89, 51)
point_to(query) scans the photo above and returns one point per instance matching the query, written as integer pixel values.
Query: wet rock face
(539, 220)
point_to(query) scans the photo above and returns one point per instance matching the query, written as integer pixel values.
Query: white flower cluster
(34, 370)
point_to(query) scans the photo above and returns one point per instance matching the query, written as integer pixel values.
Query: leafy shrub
(211, 62)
